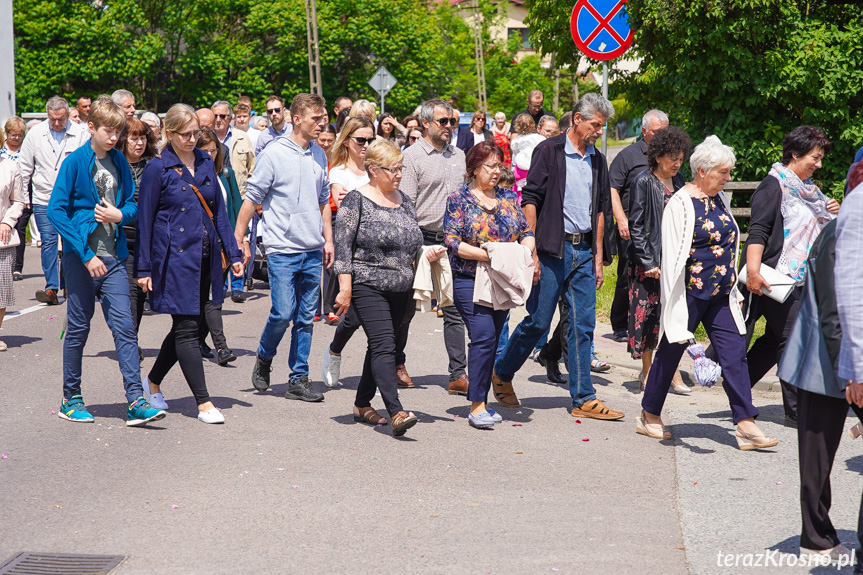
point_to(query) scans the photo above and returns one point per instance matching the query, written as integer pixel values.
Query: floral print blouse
(710, 267)
(467, 220)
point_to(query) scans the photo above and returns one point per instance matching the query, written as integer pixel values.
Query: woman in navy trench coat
(179, 252)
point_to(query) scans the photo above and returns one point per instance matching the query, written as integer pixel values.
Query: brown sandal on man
(368, 415)
(595, 409)
(503, 392)
(402, 421)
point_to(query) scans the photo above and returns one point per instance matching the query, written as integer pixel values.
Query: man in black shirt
(534, 108)
(628, 164)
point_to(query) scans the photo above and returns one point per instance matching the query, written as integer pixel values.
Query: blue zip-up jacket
(74, 198)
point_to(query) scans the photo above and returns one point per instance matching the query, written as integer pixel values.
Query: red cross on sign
(600, 28)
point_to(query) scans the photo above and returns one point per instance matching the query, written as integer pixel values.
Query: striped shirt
(430, 177)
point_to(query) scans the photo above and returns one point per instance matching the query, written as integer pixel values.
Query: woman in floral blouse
(698, 285)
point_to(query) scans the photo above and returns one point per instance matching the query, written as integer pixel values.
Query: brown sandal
(368, 415)
(503, 392)
(402, 421)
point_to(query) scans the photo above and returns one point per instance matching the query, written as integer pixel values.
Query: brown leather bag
(226, 263)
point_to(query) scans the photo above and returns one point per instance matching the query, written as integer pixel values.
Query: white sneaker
(331, 368)
(156, 400)
(212, 415)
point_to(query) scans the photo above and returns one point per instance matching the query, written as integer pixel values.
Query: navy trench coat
(169, 243)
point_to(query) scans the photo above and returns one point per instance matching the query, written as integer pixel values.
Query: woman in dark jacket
(667, 151)
(783, 243)
(477, 133)
(211, 322)
(177, 243)
(809, 361)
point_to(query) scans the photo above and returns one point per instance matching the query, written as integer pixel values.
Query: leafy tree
(748, 71)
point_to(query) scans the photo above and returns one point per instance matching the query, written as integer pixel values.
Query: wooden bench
(744, 191)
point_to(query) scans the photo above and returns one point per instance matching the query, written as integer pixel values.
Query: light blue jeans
(295, 281)
(50, 265)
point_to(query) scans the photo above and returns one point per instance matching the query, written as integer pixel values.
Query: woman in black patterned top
(377, 238)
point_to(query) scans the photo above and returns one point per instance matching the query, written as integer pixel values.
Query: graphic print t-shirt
(103, 241)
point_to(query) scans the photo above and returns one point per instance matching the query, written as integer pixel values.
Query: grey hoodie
(291, 184)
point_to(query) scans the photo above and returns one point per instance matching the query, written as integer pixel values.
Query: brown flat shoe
(459, 386)
(368, 415)
(503, 391)
(595, 409)
(402, 421)
(48, 296)
(404, 380)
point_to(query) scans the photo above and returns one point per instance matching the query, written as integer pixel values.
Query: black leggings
(136, 294)
(182, 345)
(211, 322)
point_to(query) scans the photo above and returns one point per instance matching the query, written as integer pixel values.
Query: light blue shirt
(58, 136)
(579, 183)
(227, 140)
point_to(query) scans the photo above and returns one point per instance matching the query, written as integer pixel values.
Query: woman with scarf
(788, 213)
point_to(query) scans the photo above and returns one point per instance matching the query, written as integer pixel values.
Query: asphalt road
(289, 487)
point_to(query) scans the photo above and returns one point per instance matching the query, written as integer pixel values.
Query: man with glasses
(277, 114)
(292, 186)
(534, 108)
(433, 170)
(242, 153)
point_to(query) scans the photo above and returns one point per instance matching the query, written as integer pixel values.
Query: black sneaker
(17, 276)
(552, 370)
(302, 390)
(238, 297)
(261, 373)
(620, 336)
(206, 352)
(226, 356)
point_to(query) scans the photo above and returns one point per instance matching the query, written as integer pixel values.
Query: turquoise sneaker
(141, 413)
(73, 409)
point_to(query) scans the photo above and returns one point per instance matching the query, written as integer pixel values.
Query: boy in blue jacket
(93, 198)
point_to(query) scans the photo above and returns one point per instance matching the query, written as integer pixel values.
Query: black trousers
(21, 228)
(820, 423)
(381, 313)
(182, 345)
(557, 345)
(136, 294)
(767, 349)
(619, 313)
(211, 322)
(346, 329)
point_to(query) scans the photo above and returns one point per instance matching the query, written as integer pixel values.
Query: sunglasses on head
(444, 122)
(220, 116)
(274, 110)
(362, 141)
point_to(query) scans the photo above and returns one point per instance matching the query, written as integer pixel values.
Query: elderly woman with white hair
(700, 249)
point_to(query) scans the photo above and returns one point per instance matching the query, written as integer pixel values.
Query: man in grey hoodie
(291, 184)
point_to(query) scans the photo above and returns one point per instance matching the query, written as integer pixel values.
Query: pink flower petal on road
(3, 456)
(585, 439)
(516, 425)
(778, 483)
(175, 506)
(578, 421)
(53, 412)
(296, 487)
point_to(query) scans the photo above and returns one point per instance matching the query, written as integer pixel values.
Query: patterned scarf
(804, 212)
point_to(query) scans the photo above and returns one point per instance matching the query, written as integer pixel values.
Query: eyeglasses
(274, 110)
(220, 116)
(193, 135)
(414, 138)
(362, 141)
(492, 168)
(444, 122)
(392, 170)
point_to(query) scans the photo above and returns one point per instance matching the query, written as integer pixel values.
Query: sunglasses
(274, 110)
(220, 116)
(414, 138)
(362, 141)
(444, 122)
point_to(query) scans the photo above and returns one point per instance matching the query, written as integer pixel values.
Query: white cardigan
(678, 227)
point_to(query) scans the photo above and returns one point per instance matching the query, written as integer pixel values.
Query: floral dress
(710, 267)
(643, 328)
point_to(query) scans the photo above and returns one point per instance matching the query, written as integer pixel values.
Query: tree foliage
(198, 51)
(748, 71)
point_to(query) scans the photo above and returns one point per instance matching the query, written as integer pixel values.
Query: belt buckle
(575, 238)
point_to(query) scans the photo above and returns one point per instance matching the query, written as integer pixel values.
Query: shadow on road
(14, 341)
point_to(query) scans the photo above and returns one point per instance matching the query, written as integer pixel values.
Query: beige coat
(41, 157)
(242, 158)
(506, 280)
(11, 193)
(678, 227)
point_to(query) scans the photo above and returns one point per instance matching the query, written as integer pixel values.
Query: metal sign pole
(605, 95)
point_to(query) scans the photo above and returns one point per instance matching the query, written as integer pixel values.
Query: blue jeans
(49, 248)
(112, 289)
(574, 276)
(234, 284)
(295, 281)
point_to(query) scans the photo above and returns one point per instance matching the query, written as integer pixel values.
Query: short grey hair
(221, 103)
(592, 104)
(257, 120)
(427, 109)
(711, 154)
(57, 103)
(119, 95)
(499, 114)
(653, 114)
(544, 120)
(151, 116)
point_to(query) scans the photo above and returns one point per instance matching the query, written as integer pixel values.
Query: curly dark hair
(802, 140)
(668, 141)
(477, 156)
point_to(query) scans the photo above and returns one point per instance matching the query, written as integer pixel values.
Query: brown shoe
(503, 391)
(48, 296)
(459, 386)
(404, 380)
(595, 409)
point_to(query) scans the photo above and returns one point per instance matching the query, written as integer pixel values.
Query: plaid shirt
(430, 177)
(848, 275)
